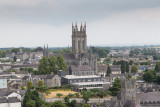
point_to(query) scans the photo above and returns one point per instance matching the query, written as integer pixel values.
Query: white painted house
(10, 102)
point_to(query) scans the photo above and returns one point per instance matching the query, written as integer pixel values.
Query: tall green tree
(134, 69)
(52, 62)
(157, 67)
(66, 99)
(123, 66)
(127, 67)
(108, 70)
(115, 87)
(61, 63)
(43, 65)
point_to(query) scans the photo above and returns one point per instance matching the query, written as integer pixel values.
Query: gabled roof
(149, 97)
(13, 100)
(25, 77)
(50, 76)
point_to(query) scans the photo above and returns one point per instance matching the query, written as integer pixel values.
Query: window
(79, 45)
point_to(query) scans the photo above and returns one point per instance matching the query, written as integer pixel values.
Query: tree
(30, 103)
(59, 94)
(107, 60)
(127, 67)
(73, 103)
(47, 92)
(123, 66)
(108, 70)
(43, 105)
(14, 58)
(86, 105)
(115, 62)
(66, 99)
(26, 97)
(58, 104)
(131, 62)
(115, 87)
(29, 85)
(40, 83)
(149, 76)
(134, 69)
(43, 65)
(15, 50)
(157, 67)
(77, 95)
(158, 79)
(95, 90)
(70, 95)
(32, 95)
(52, 62)
(61, 63)
(86, 97)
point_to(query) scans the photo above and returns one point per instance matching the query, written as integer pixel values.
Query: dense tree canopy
(61, 63)
(58, 104)
(47, 66)
(115, 87)
(149, 76)
(102, 52)
(32, 99)
(134, 69)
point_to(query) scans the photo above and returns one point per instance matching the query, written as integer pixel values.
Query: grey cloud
(58, 12)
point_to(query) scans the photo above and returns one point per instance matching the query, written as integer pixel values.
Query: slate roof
(3, 100)
(5, 93)
(50, 76)
(118, 103)
(13, 100)
(102, 68)
(42, 76)
(149, 97)
(25, 77)
(81, 68)
(62, 73)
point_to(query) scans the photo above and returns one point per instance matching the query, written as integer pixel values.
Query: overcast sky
(32, 23)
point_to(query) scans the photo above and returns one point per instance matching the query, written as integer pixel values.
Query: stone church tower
(79, 39)
(128, 89)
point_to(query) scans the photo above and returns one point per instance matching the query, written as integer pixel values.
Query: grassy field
(54, 92)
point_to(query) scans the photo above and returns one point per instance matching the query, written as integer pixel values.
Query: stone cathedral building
(80, 61)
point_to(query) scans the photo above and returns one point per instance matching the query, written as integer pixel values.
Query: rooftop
(79, 77)
(91, 83)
